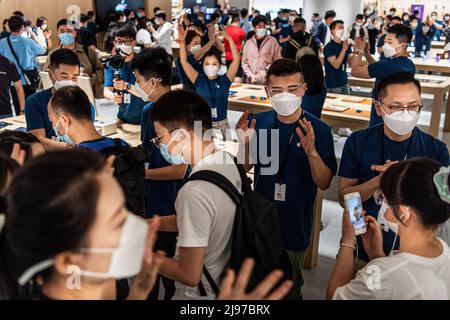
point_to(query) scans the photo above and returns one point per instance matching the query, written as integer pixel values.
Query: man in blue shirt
(380, 44)
(302, 159)
(395, 50)
(64, 71)
(26, 51)
(70, 112)
(153, 69)
(336, 53)
(123, 91)
(322, 34)
(369, 152)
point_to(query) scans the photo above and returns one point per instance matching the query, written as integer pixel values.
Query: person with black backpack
(302, 159)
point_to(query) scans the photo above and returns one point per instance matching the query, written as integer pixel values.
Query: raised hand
(244, 132)
(18, 154)
(307, 140)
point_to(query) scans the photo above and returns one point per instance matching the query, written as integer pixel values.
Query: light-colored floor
(316, 280)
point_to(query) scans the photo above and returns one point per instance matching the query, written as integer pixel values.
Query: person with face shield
(336, 53)
(92, 66)
(395, 50)
(303, 161)
(163, 34)
(212, 86)
(259, 52)
(415, 201)
(122, 90)
(153, 71)
(64, 71)
(370, 152)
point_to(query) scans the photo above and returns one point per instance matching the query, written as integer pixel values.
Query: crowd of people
(83, 218)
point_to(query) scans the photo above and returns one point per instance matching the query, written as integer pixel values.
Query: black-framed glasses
(157, 141)
(121, 42)
(412, 109)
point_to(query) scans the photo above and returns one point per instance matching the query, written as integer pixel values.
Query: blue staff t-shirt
(335, 77)
(364, 148)
(383, 68)
(215, 92)
(101, 144)
(160, 195)
(187, 84)
(380, 44)
(128, 112)
(296, 213)
(36, 112)
(314, 103)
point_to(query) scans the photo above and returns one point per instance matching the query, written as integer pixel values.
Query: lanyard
(213, 96)
(407, 152)
(281, 169)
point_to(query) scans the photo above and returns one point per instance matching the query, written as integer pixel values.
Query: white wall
(239, 3)
(346, 10)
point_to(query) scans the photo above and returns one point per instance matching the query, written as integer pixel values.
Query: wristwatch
(128, 86)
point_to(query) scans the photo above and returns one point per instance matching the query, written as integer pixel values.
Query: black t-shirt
(302, 38)
(259, 42)
(8, 73)
(87, 37)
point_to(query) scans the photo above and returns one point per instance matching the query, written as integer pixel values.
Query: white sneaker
(345, 132)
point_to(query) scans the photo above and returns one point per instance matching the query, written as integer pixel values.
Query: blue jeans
(345, 89)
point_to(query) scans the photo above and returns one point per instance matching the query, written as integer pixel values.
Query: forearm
(369, 58)
(219, 45)
(108, 93)
(168, 223)
(172, 269)
(21, 97)
(53, 145)
(172, 172)
(243, 155)
(366, 190)
(199, 55)
(343, 271)
(321, 174)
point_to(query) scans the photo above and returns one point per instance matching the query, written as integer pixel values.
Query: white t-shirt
(401, 277)
(163, 37)
(205, 216)
(143, 37)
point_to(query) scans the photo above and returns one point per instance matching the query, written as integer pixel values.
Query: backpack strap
(14, 54)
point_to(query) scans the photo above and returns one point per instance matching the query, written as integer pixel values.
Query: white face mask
(24, 34)
(401, 122)
(195, 49)
(425, 29)
(211, 71)
(340, 33)
(64, 83)
(388, 50)
(157, 21)
(292, 18)
(126, 49)
(142, 94)
(126, 259)
(285, 103)
(359, 24)
(393, 226)
(260, 33)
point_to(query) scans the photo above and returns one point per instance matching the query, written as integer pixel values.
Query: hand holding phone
(353, 204)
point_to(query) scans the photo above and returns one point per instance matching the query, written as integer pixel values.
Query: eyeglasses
(120, 42)
(413, 109)
(157, 141)
(291, 89)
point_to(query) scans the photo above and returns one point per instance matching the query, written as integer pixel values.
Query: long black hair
(410, 183)
(312, 73)
(50, 206)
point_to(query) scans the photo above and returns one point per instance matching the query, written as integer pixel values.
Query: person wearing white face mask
(304, 161)
(259, 52)
(424, 35)
(395, 49)
(64, 71)
(358, 29)
(212, 86)
(416, 201)
(370, 152)
(163, 35)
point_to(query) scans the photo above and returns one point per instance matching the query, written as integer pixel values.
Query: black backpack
(256, 230)
(130, 173)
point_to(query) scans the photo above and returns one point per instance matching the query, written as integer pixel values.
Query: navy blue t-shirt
(36, 112)
(128, 112)
(160, 195)
(380, 44)
(383, 68)
(101, 144)
(296, 213)
(187, 84)
(335, 77)
(215, 93)
(364, 149)
(314, 103)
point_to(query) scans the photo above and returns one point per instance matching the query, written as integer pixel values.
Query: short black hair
(235, 17)
(402, 33)
(9, 137)
(244, 12)
(396, 18)
(18, 13)
(15, 23)
(397, 78)
(359, 16)
(182, 108)
(84, 18)
(312, 73)
(154, 62)
(190, 36)
(63, 56)
(258, 19)
(40, 21)
(335, 23)
(283, 68)
(156, 9)
(91, 13)
(73, 101)
(416, 12)
(126, 31)
(64, 22)
(299, 20)
(161, 14)
(330, 14)
(215, 15)
(213, 53)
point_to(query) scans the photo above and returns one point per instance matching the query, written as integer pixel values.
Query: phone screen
(355, 209)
